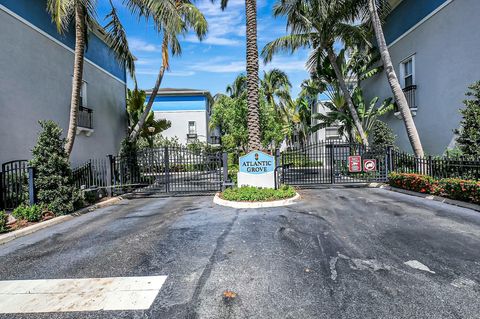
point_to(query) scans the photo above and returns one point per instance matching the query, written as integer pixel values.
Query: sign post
(257, 169)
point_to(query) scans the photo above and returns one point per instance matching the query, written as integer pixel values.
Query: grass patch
(255, 194)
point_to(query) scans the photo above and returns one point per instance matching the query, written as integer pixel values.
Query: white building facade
(435, 50)
(36, 66)
(188, 111)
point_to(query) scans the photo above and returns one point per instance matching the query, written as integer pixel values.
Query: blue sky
(215, 62)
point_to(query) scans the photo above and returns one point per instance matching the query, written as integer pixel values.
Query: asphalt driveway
(339, 253)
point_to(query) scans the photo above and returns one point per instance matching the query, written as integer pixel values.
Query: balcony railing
(85, 117)
(409, 92)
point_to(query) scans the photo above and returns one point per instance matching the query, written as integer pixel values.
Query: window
(192, 127)
(331, 132)
(83, 94)
(407, 71)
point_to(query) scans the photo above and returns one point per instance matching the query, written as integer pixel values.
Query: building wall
(180, 121)
(179, 110)
(35, 84)
(447, 49)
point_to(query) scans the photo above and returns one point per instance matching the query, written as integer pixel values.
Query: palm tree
(239, 86)
(187, 17)
(275, 85)
(82, 12)
(254, 131)
(318, 24)
(368, 113)
(393, 81)
(135, 108)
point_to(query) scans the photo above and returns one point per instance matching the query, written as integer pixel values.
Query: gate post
(2, 203)
(167, 170)
(109, 175)
(277, 157)
(278, 181)
(225, 169)
(390, 158)
(332, 163)
(430, 165)
(32, 195)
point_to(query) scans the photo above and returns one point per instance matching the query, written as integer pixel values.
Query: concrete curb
(433, 197)
(5, 238)
(277, 203)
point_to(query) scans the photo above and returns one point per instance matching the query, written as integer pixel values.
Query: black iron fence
(13, 183)
(85, 117)
(183, 170)
(165, 170)
(328, 163)
(410, 94)
(92, 174)
(437, 167)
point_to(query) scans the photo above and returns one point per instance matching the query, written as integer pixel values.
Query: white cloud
(224, 27)
(219, 66)
(286, 63)
(139, 45)
(224, 64)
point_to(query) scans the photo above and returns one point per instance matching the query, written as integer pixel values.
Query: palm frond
(62, 12)
(117, 39)
(288, 43)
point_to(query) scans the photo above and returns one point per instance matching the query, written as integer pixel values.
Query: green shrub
(454, 188)
(53, 175)
(30, 213)
(468, 139)
(255, 194)
(381, 136)
(413, 182)
(3, 221)
(233, 173)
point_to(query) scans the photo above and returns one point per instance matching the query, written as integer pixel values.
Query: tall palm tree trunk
(346, 94)
(393, 82)
(141, 122)
(80, 32)
(136, 130)
(254, 139)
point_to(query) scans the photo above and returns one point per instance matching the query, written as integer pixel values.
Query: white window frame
(83, 93)
(194, 127)
(332, 136)
(402, 70)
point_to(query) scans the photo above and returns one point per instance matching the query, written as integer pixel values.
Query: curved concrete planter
(277, 203)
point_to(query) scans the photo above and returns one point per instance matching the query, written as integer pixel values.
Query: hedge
(454, 188)
(255, 194)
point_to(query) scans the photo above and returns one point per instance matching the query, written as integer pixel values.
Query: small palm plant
(135, 108)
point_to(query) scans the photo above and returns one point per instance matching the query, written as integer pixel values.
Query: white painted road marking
(83, 294)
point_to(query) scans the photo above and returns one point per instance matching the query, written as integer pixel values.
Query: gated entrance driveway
(339, 253)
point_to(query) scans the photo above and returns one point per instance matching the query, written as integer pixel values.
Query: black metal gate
(327, 163)
(168, 170)
(13, 183)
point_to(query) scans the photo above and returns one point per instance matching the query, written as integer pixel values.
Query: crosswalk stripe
(83, 294)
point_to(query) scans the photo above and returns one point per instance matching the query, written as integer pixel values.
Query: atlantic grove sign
(257, 163)
(257, 169)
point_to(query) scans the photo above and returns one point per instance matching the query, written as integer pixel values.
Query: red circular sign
(369, 165)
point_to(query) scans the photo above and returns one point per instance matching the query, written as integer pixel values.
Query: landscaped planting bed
(453, 188)
(255, 194)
